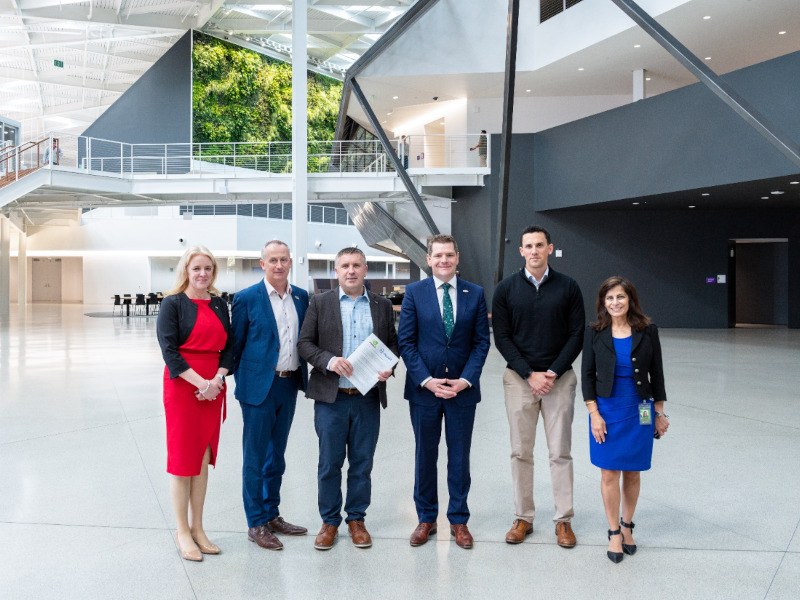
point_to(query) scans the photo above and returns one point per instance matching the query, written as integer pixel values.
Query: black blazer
(176, 318)
(321, 339)
(599, 360)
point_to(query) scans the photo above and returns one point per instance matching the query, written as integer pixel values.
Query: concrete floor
(84, 504)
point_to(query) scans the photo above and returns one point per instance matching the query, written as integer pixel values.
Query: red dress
(193, 425)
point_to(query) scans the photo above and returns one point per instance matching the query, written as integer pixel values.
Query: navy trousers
(348, 428)
(264, 437)
(427, 424)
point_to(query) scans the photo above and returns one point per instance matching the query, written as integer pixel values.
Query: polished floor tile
(85, 513)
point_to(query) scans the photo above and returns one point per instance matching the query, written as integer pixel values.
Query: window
(550, 8)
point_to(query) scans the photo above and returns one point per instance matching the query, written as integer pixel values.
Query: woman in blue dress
(623, 388)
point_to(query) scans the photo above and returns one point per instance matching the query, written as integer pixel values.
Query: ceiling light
(776, 193)
(708, 58)
(705, 194)
(528, 91)
(794, 182)
(580, 68)
(647, 79)
(765, 197)
(395, 97)
(706, 18)
(691, 206)
(636, 204)
(781, 33)
(637, 45)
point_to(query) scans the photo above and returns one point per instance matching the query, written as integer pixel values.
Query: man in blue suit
(444, 339)
(266, 322)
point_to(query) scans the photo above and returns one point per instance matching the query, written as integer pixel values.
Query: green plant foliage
(241, 96)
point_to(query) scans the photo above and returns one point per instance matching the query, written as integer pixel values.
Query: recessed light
(708, 58)
(580, 68)
(765, 197)
(776, 193)
(705, 194)
(647, 78)
(528, 91)
(706, 18)
(636, 204)
(781, 33)
(794, 182)
(395, 97)
(691, 206)
(637, 45)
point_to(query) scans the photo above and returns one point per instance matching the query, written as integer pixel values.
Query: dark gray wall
(685, 139)
(158, 107)
(762, 283)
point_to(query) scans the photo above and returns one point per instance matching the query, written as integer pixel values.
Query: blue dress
(628, 445)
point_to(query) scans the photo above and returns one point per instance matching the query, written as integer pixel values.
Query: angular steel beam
(505, 136)
(387, 147)
(712, 81)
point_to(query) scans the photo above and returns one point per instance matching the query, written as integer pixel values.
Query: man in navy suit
(266, 322)
(444, 340)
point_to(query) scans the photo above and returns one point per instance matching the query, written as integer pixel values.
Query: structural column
(300, 143)
(22, 269)
(639, 90)
(5, 267)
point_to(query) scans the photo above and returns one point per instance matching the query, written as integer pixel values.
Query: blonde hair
(182, 277)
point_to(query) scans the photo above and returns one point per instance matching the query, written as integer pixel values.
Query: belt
(285, 374)
(349, 391)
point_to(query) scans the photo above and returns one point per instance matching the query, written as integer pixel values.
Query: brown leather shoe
(262, 536)
(564, 535)
(278, 525)
(359, 534)
(462, 535)
(326, 537)
(421, 533)
(519, 531)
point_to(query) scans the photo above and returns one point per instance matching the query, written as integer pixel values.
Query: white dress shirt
(288, 327)
(440, 294)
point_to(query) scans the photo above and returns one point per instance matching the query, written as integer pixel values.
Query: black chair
(152, 301)
(126, 302)
(140, 306)
(117, 302)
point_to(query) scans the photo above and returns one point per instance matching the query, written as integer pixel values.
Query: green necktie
(447, 310)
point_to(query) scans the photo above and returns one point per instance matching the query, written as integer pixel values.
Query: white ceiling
(106, 45)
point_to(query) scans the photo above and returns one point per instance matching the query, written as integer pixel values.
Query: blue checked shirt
(356, 325)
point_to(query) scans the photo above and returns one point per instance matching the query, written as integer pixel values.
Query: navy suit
(427, 352)
(267, 400)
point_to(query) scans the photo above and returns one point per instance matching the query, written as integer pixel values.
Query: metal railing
(239, 159)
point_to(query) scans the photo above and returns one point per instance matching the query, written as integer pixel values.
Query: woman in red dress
(194, 333)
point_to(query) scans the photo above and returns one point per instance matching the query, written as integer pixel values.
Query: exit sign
(58, 63)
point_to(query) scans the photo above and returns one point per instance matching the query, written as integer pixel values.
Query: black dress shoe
(615, 557)
(629, 549)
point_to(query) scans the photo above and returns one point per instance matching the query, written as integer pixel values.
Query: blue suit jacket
(427, 352)
(256, 342)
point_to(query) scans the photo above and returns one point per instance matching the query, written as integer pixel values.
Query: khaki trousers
(557, 409)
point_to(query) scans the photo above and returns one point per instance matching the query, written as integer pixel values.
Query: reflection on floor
(84, 508)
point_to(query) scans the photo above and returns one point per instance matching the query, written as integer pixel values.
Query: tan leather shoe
(359, 534)
(462, 535)
(421, 533)
(326, 537)
(519, 531)
(564, 535)
(262, 536)
(209, 548)
(278, 525)
(191, 554)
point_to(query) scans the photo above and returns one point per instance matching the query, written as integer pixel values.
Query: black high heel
(628, 548)
(615, 557)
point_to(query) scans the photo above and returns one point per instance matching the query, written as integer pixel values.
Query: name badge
(645, 413)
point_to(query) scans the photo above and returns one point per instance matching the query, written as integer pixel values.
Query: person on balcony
(53, 153)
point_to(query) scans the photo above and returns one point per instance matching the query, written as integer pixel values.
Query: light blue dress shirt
(356, 325)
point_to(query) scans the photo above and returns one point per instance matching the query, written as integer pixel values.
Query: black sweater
(538, 330)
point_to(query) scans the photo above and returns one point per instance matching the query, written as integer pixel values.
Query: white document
(370, 358)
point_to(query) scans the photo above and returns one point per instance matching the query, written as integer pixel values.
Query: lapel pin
(465, 291)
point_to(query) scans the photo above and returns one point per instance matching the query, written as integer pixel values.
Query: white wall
(72, 279)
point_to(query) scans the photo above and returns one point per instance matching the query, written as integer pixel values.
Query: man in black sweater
(538, 320)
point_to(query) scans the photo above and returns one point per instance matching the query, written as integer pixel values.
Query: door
(760, 284)
(46, 280)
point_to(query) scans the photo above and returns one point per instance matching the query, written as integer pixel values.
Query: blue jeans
(347, 427)
(264, 437)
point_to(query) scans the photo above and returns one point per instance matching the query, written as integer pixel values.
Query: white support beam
(5, 268)
(22, 269)
(299, 144)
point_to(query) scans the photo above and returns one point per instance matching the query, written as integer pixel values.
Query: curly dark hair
(636, 318)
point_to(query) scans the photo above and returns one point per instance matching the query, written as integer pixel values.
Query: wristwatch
(665, 415)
